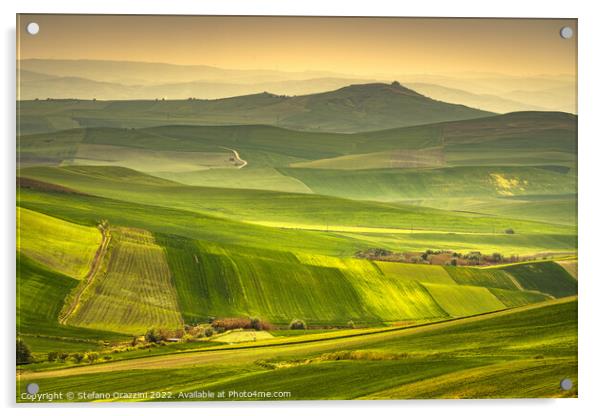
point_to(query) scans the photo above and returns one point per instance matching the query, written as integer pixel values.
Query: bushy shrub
(78, 357)
(297, 324)
(107, 358)
(23, 352)
(208, 332)
(256, 324)
(92, 356)
(509, 231)
(351, 324)
(231, 323)
(226, 324)
(52, 356)
(156, 336)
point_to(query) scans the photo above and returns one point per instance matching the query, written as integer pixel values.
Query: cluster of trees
(374, 254)
(447, 257)
(24, 355)
(225, 324)
(77, 357)
(297, 324)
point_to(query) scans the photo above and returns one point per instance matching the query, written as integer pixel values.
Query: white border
(590, 97)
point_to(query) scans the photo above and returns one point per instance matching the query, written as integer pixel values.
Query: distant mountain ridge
(123, 80)
(354, 108)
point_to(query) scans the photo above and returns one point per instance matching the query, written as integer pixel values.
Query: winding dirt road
(237, 156)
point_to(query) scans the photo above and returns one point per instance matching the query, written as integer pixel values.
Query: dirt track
(237, 156)
(102, 249)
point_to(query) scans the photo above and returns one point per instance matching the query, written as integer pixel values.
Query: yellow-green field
(136, 238)
(491, 355)
(64, 246)
(132, 290)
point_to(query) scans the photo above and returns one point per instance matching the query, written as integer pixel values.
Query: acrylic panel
(295, 208)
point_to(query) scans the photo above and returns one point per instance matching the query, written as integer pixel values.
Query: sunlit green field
(521, 353)
(127, 226)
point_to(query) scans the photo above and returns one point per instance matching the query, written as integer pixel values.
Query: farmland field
(421, 362)
(367, 242)
(132, 290)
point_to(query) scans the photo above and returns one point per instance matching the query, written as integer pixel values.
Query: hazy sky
(363, 46)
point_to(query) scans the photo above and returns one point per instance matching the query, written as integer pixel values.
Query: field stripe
(85, 284)
(134, 289)
(243, 353)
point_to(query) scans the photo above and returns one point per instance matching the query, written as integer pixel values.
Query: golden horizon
(361, 46)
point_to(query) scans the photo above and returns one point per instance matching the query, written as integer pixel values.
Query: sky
(362, 46)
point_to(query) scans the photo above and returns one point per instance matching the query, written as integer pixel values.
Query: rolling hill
(523, 350)
(349, 109)
(174, 221)
(147, 279)
(520, 165)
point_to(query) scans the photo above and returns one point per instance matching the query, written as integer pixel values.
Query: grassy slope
(132, 291)
(521, 139)
(481, 277)
(418, 272)
(214, 281)
(571, 266)
(530, 237)
(514, 298)
(489, 159)
(547, 277)
(60, 245)
(86, 210)
(450, 182)
(464, 300)
(502, 355)
(353, 108)
(248, 178)
(251, 275)
(217, 280)
(40, 296)
(552, 208)
(254, 205)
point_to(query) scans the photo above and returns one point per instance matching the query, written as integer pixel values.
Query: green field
(60, 245)
(547, 277)
(178, 215)
(41, 294)
(495, 355)
(132, 290)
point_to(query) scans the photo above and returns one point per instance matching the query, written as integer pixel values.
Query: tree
(256, 324)
(52, 356)
(92, 356)
(351, 324)
(152, 335)
(297, 324)
(454, 262)
(208, 332)
(23, 352)
(78, 357)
